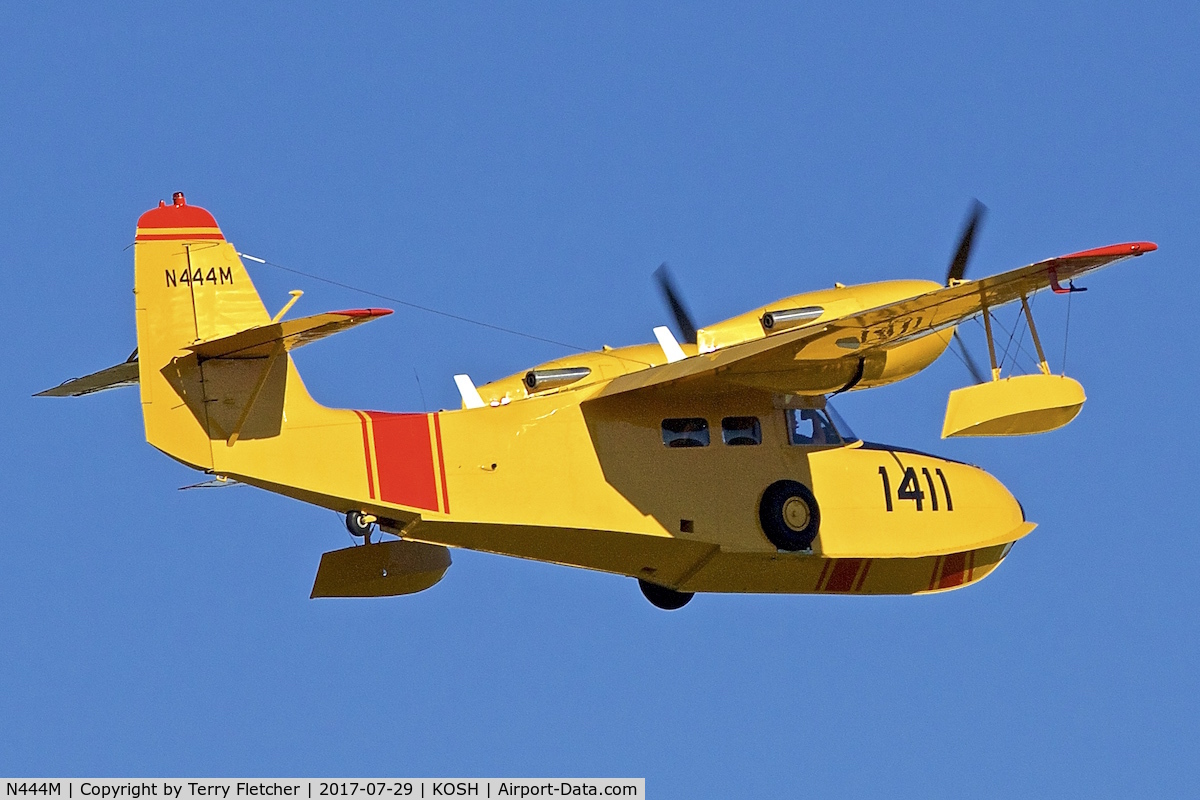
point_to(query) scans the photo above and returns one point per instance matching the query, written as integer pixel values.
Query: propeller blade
(958, 266)
(683, 319)
(976, 372)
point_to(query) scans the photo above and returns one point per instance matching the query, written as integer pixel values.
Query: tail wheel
(664, 598)
(789, 515)
(360, 525)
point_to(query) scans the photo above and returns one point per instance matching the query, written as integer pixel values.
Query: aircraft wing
(259, 342)
(807, 347)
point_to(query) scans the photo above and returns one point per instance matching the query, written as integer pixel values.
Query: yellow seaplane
(711, 464)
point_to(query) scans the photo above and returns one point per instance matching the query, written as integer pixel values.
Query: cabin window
(741, 430)
(815, 426)
(685, 432)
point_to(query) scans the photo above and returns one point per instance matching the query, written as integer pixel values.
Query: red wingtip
(364, 312)
(1123, 249)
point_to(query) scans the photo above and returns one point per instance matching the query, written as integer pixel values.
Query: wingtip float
(712, 465)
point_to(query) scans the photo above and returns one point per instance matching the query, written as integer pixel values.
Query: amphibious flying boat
(711, 464)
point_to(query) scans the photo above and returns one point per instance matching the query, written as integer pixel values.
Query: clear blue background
(530, 165)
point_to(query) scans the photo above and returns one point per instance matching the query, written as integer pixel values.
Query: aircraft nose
(992, 505)
(889, 501)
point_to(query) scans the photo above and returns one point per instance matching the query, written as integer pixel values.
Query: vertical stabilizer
(235, 406)
(190, 286)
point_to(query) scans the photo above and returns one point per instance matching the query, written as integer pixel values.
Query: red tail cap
(177, 215)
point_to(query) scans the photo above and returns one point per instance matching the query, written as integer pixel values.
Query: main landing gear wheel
(360, 525)
(789, 515)
(664, 598)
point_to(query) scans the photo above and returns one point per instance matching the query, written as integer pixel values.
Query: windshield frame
(824, 417)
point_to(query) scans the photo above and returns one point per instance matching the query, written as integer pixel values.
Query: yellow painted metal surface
(841, 301)
(581, 473)
(1014, 406)
(605, 364)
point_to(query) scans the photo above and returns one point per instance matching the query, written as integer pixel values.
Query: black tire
(664, 598)
(357, 526)
(789, 515)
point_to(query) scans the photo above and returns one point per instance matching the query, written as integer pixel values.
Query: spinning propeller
(956, 272)
(683, 319)
(958, 269)
(958, 266)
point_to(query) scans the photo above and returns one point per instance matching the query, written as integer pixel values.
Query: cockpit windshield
(818, 426)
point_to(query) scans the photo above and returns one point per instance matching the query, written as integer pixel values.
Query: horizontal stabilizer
(259, 342)
(123, 374)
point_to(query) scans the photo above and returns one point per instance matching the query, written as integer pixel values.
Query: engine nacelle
(809, 308)
(902, 361)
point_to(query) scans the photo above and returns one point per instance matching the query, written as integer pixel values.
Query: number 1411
(910, 489)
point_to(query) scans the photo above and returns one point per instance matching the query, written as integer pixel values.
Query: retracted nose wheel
(664, 598)
(360, 525)
(789, 515)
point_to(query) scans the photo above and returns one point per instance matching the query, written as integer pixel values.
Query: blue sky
(530, 165)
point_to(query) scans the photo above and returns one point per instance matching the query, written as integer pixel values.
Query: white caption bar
(322, 789)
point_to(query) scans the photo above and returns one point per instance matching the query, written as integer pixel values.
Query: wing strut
(987, 327)
(1037, 342)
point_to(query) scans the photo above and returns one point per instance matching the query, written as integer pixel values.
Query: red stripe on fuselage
(404, 456)
(863, 577)
(954, 569)
(367, 455)
(437, 429)
(824, 572)
(937, 562)
(845, 570)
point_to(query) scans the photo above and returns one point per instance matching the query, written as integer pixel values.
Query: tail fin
(219, 389)
(190, 286)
